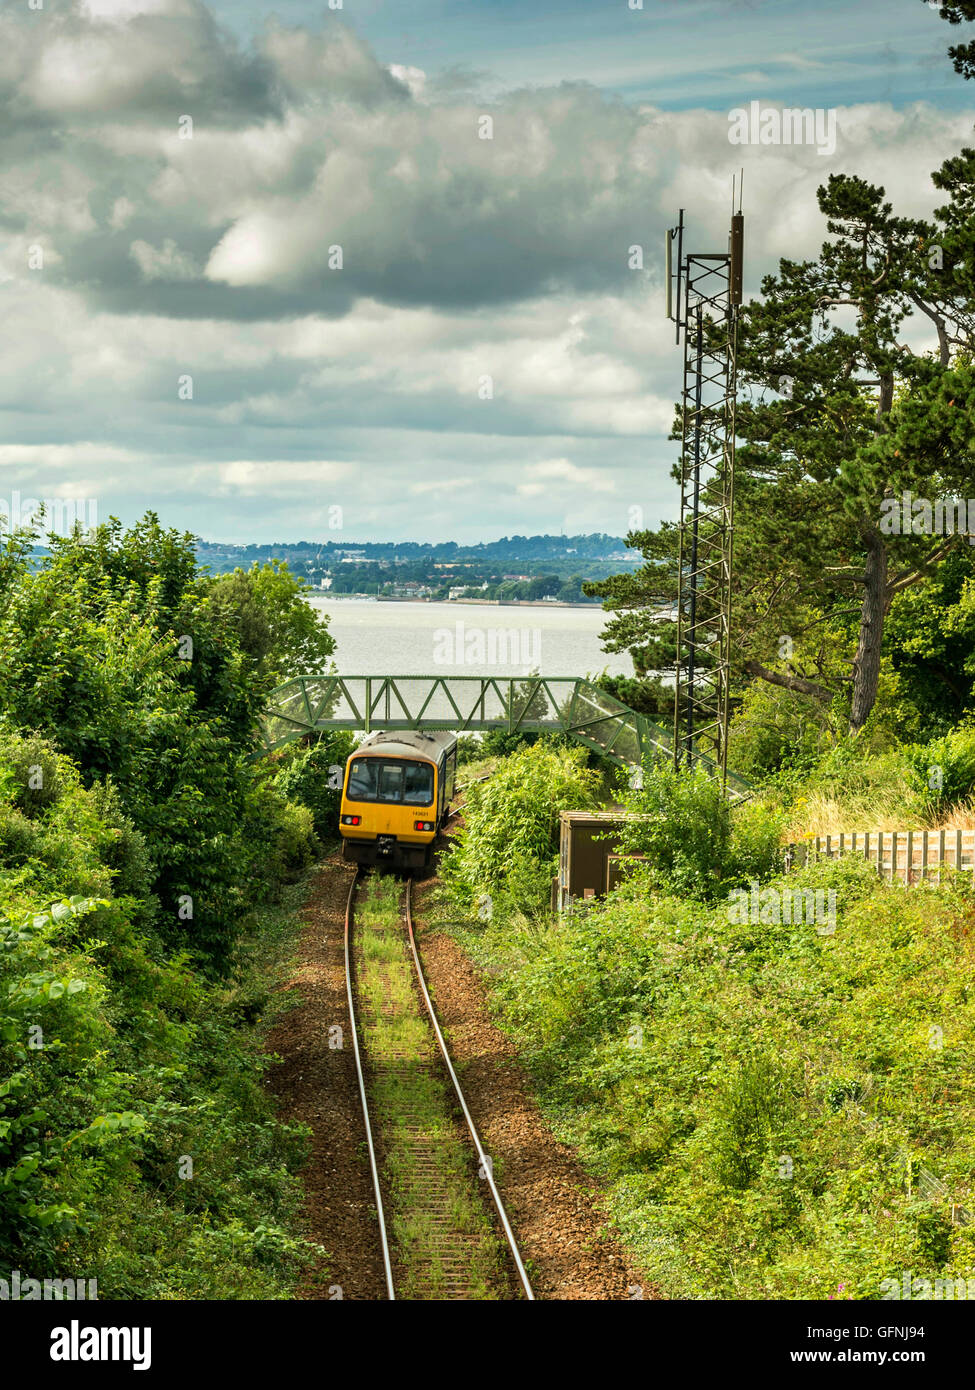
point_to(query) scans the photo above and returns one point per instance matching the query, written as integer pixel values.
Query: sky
(295, 272)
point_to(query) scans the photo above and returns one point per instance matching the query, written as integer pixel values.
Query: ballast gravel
(556, 1209)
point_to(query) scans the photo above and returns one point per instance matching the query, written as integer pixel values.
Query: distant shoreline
(456, 602)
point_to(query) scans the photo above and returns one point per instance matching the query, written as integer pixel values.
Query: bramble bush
(312, 775)
(762, 1099)
(693, 840)
(508, 846)
(943, 771)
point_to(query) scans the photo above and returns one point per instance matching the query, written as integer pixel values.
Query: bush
(943, 771)
(116, 1063)
(74, 837)
(758, 1094)
(776, 730)
(120, 652)
(683, 830)
(136, 835)
(470, 749)
(692, 840)
(756, 850)
(34, 767)
(288, 832)
(312, 775)
(509, 842)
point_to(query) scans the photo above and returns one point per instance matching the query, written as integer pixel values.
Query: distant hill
(221, 556)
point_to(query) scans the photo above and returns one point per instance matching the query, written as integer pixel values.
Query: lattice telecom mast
(708, 292)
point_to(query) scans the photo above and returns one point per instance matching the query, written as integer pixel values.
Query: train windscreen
(406, 783)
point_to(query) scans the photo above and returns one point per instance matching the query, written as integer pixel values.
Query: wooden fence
(904, 856)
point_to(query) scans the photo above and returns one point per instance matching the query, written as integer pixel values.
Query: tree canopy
(856, 385)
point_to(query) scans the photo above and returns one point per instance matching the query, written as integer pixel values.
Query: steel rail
(362, 1090)
(483, 1159)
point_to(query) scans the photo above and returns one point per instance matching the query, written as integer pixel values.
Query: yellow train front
(395, 797)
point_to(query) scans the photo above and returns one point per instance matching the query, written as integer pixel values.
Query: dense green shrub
(763, 1097)
(77, 838)
(691, 838)
(943, 771)
(756, 849)
(312, 775)
(509, 843)
(285, 832)
(137, 838)
(149, 673)
(470, 749)
(777, 729)
(118, 1064)
(34, 770)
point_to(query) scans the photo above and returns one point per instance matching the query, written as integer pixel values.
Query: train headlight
(351, 820)
(423, 825)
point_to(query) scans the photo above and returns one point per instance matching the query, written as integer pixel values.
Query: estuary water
(407, 639)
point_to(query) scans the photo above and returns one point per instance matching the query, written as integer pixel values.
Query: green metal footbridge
(531, 704)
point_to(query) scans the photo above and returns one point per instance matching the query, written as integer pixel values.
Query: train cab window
(363, 780)
(391, 782)
(419, 784)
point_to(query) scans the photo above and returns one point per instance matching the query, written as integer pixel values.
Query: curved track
(484, 1162)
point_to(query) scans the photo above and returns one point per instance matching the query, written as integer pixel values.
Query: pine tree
(840, 417)
(963, 55)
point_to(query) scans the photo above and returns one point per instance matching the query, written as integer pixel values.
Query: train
(396, 795)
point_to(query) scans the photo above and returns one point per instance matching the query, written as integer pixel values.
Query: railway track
(435, 1232)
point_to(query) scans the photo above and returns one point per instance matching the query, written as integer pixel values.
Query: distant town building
(410, 588)
(457, 590)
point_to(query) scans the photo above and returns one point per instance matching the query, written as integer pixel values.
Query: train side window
(391, 782)
(362, 781)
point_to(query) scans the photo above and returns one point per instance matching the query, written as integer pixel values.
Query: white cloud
(167, 262)
(461, 257)
(123, 210)
(798, 60)
(84, 454)
(121, 10)
(421, 488)
(415, 79)
(254, 477)
(561, 472)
